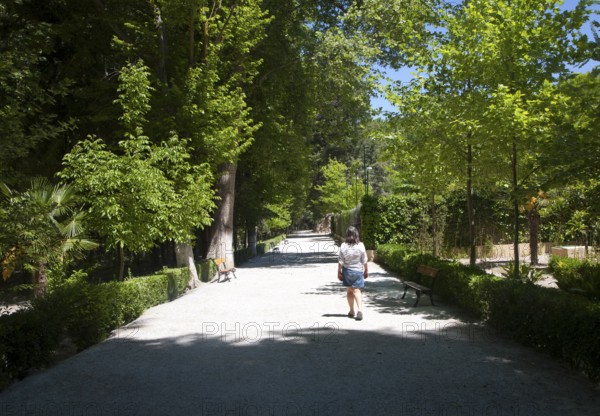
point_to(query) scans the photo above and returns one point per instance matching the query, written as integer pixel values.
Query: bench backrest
(427, 271)
(220, 263)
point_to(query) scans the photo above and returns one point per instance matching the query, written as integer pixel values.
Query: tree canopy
(195, 122)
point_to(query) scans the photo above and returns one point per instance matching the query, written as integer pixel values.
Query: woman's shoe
(350, 314)
(359, 316)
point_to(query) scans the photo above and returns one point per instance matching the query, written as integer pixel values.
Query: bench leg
(405, 289)
(418, 298)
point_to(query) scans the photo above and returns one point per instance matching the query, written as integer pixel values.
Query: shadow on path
(303, 370)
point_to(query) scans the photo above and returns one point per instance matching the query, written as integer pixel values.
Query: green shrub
(561, 324)
(206, 270)
(242, 255)
(86, 313)
(393, 255)
(264, 246)
(392, 219)
(27, 339)
(578, 276)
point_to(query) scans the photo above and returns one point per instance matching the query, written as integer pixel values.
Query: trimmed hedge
(206, 270)
(577, 276)
(263, 247)
(559, 323)
(564, 325)
(392, 219)
(86, 313)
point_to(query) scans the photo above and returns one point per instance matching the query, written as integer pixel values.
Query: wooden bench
(223, 271)
(420, 289)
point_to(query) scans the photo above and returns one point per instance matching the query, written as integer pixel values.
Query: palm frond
(62, 196)
(74, 227)
(40, 191)
(76, 246)
(5, 190)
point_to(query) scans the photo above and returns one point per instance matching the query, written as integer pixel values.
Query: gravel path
(276, 341)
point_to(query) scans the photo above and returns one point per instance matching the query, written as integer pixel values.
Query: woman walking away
(353, 270)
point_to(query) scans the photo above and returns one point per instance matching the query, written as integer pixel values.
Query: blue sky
(404, 74)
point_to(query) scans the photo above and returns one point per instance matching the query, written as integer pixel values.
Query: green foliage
(525, 273)
(280, 216)
(340, 222)
(492, 219)
(263, 247)
(394, 256)
(86, 313)
(42, 227)
(559, 323)
(573, 214)
(29, 121)
(146, 193)
(213, 109)
(392, 219)
(578, 131)
(207, 270)
(134, 95)
(334, 193)
(485, 103)
(577, 276)
(27, 339)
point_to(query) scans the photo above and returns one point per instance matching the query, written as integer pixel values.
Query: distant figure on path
(353, 270)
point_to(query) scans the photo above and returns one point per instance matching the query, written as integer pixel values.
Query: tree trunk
(192, 38)
(40, 281)
(221, 231)
(121, 261)
(515, 209)
(470, 208)
(534, 225)
(587, 241)
(252, 237)
(185, 258)
(162, 37)
(434, 225)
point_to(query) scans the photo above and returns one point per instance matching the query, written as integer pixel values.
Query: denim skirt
(353, 278)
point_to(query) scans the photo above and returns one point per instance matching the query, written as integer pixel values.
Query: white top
(353, 257)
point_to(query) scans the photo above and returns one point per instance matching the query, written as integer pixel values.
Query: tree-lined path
(276, 341)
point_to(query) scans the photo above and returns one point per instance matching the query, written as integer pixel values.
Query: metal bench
(223, 271)
(420, 289)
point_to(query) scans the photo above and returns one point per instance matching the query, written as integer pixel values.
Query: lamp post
(369, 168)
(356, 190)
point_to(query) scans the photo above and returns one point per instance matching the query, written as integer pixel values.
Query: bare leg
(358, 297)
(350, 298)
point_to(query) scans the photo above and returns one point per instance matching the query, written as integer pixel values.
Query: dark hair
(352, 236)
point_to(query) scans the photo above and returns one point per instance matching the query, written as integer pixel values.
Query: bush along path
(564, 325)
(277, 341)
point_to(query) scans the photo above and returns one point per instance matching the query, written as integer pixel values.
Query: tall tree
(335, 193)
(144, 193)
(522, 45)
(492, 64)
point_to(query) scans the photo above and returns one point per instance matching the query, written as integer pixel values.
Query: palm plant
(42, 230)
